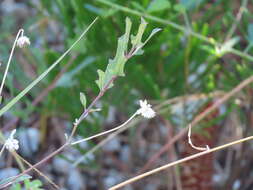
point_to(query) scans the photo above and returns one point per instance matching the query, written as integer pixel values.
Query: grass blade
(44, 74)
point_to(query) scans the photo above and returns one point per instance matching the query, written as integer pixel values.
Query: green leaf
(101, 77)
(191, 4)
(179, 8)
(83, 99)
(19, 179)
(136, 40)
(158, 5)
(154, 31)
(139, 50)
(16, 187)
(115, 66)
(33, 185)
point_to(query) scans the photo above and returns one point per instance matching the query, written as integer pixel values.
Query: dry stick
(179, 162)
(38, 171)
(68, 143)
(197, 119)
(45, 92)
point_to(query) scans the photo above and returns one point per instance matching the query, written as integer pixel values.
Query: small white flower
(23, 41)
(146, 110)
(11, 144)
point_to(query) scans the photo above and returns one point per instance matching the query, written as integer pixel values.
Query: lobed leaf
(116, 66)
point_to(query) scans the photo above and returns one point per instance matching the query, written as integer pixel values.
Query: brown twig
(68, 143)
(197, 119)
(38, 171)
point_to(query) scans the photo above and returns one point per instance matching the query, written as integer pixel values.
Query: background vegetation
(203, 51)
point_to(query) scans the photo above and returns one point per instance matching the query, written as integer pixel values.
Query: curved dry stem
(192, 145)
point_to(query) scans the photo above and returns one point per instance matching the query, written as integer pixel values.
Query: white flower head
(11, 144)
(145, 110)
(23, 41)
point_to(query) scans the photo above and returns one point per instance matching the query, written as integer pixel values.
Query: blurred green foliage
(175, 63)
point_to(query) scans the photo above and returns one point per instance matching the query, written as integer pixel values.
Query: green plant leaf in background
(101, 77)
(19, 179)
(179, 8)
(83, 99)
(158, 5)
(191, 4)
(33, 185)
